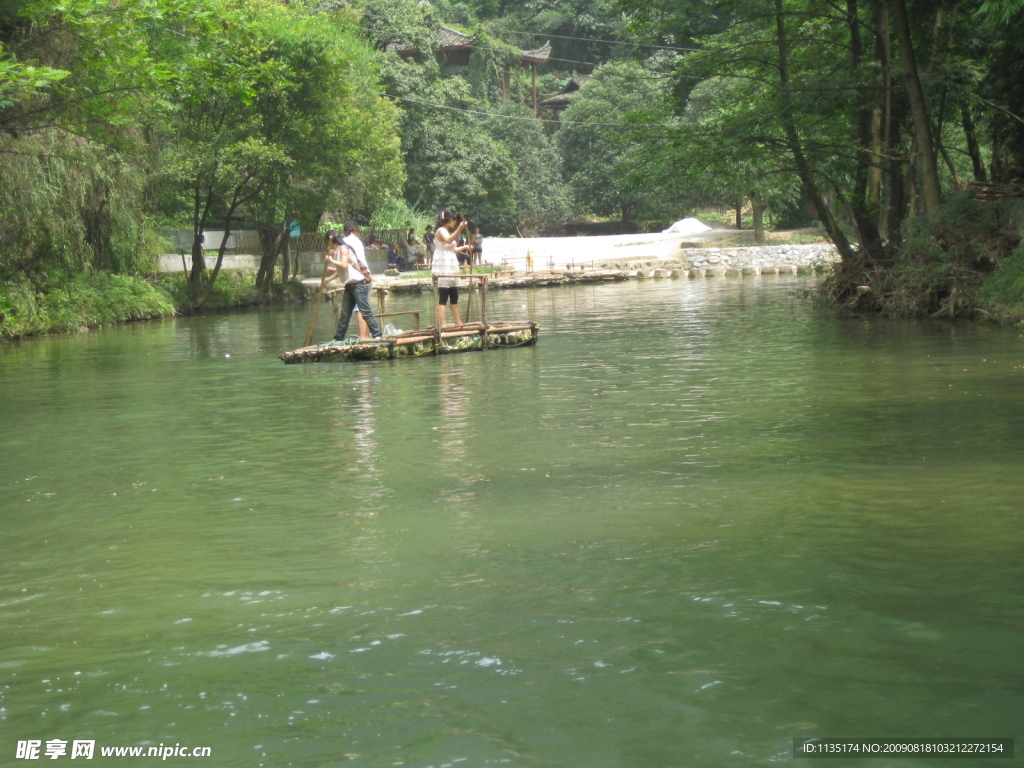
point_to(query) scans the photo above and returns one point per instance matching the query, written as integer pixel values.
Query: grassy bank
(81, 302)
(965, 261)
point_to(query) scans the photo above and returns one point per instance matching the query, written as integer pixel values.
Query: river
(697, 521)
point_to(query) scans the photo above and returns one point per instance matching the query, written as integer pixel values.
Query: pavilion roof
(537, 55)
(451, 39)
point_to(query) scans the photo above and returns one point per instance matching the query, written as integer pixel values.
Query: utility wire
(529, 118)
(609, 42)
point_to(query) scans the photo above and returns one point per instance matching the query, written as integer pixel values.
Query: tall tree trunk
(757, 214)
(220, 257)
(882, 121)
(269, 238)
(929, 171)
(838, 237)
(996, 166)
(910, 182)
(200, 216)
(896, 210)
(286, 256)
(864, 215)
(949, 164)
(739, 211)
(973, 148)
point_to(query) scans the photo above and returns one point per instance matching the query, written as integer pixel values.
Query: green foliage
(87, 300)
(396, 213)
(739, 144)
(490, 60)
(541, 197)
(69, 203)
(1002, 295)
(613, 140)
(951, 264)
(999, 11)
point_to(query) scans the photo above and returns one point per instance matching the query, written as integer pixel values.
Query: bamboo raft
(418, 343)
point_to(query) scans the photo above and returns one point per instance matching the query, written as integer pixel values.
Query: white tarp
(688, 226)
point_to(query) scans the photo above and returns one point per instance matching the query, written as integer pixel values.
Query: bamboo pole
(316, 306)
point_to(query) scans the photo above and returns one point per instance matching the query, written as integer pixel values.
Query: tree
(614, 136)
(274, 124)
(540, 195)
(74, 78)
(734, 150)
(340, 135)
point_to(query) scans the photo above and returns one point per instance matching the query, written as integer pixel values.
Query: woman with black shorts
(446, 264)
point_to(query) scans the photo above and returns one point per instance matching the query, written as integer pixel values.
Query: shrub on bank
(963, 261)
(83, 301)
(89, 300)
(1002, 296)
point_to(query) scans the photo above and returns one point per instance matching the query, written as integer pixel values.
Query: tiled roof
(450, 38)
(578, 78)
(538, 55)
(565, 95)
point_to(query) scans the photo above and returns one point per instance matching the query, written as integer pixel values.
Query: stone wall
(751, 260)
(176, 262)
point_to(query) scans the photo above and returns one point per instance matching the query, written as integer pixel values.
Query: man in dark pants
(349, 259)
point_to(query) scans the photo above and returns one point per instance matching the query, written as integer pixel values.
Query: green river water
(696, 521)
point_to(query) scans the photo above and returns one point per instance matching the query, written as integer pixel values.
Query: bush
(86, 300)
(1002, 295)
(64, 304)
(942, 268)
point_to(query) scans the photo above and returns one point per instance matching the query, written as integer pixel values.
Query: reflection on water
(695, 522)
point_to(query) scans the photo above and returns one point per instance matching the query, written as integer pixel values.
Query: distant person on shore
(413, 251)
(428, 242)
(349, 262)
(462, 248)
(478, 247)
(446, 264)
(395, 258)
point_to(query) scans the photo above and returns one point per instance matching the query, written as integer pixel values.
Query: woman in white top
(446, 263)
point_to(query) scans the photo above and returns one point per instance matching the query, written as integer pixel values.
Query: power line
(609, 42)
(529, 118)
(370, 14)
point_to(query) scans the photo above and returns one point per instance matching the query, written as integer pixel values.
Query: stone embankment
(694, 263)
(752, 260)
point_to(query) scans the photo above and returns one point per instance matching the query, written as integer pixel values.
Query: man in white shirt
(349, 261)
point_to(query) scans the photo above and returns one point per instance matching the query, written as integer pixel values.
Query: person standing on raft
(446, 263)
(349, 261)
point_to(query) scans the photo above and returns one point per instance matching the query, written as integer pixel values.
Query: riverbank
(90, 301)
(85, 301)
(93, 300)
